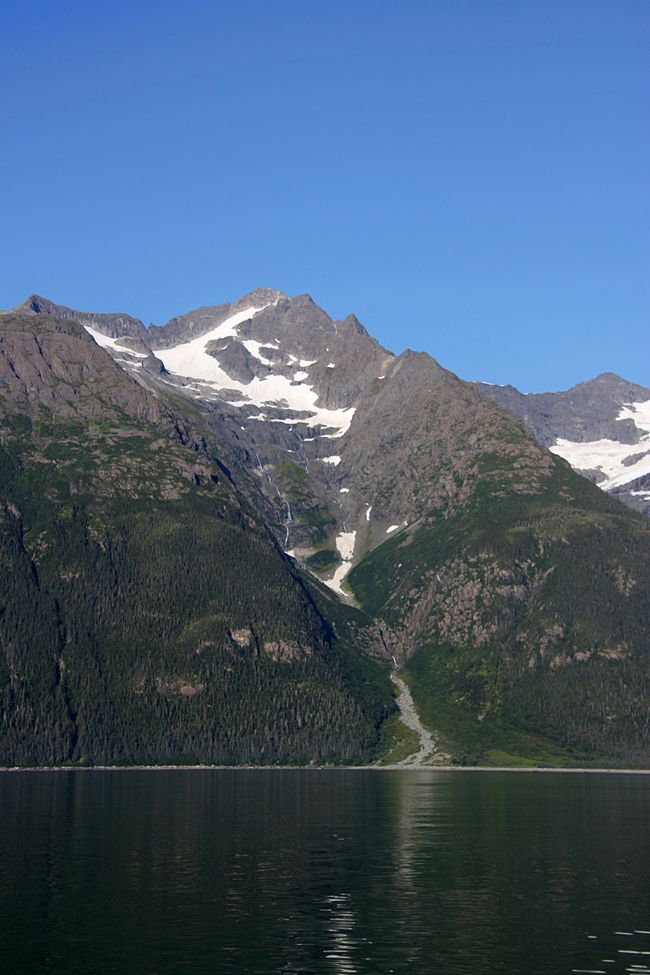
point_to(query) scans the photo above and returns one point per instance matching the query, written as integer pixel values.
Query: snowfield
(191, 361)
(608, 456)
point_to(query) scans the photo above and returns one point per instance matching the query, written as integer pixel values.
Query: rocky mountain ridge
(283, 383)
(601, 427)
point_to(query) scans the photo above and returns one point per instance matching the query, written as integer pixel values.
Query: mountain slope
(512, 592)
(147, 614)
(602, 427)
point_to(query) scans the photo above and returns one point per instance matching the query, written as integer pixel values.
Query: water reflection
(310, 872)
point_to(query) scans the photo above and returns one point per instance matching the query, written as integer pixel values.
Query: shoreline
(322, 768)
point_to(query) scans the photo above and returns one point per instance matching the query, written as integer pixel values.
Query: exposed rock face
(113, 325)
(52, 360)
(588, 411)
(285, 650)
(592, 425)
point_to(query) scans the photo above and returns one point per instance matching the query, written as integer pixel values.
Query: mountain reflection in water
(323, 871)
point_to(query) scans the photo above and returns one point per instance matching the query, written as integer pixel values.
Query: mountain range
(222, 534)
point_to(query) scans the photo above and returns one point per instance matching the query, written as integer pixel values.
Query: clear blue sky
(470, 177)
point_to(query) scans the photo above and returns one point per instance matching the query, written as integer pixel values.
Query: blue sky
(470, 177)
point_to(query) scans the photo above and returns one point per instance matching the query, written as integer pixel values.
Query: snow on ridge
(608, 456)
(639, 413)
(629, 473)
(106, 342)
(191, 360)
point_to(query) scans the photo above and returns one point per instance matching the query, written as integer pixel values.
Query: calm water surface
(324, 871)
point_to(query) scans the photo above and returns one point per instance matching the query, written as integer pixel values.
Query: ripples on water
(349, 872)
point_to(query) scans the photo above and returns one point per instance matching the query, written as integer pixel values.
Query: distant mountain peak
(34, 305)
(265, 296)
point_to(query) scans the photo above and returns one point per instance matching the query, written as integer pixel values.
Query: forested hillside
(523, 616)
(146, 613)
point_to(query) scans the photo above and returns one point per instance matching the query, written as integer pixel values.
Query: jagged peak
(34, 305)
(352, 323)
(608, 379)
(260, 295)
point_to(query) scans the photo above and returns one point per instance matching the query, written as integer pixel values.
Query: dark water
(323, 871)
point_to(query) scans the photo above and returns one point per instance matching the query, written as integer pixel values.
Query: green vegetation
(147, 616)
(308, 513)
(470, 739)
(397, 741)
(324, 560)
(533, 648)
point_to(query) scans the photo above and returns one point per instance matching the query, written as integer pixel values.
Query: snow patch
(254, 348)
(344, 429)
(391, 528)
(630, 473)
(106, 342)
(608, 456)
(331, 365)
(344, 490)
(299, 376)
(191, 360)
(639, 412)
(335, 460)
(345, 545)
(368, 510)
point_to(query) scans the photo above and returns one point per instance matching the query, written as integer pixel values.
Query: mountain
(147, 614)
(602, 427)
(511, 591)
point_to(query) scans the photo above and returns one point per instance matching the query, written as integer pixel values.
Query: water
(323, 871)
